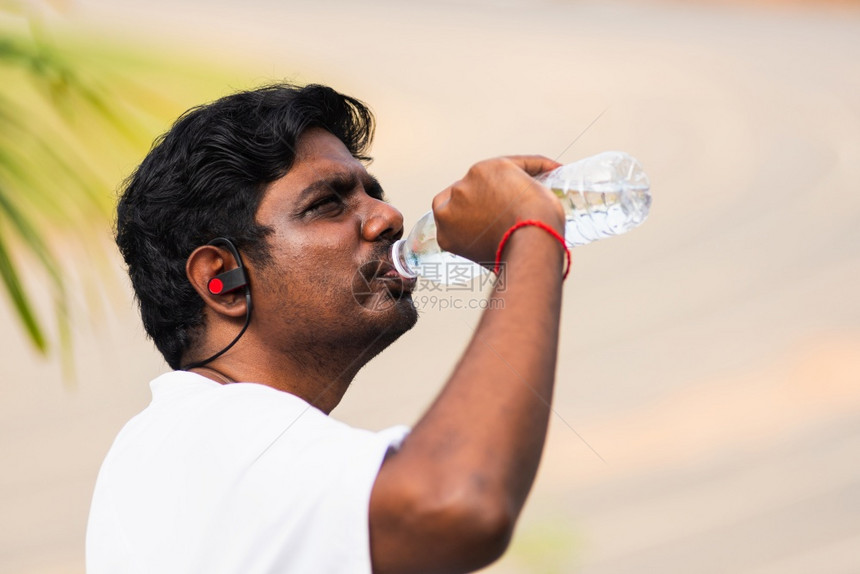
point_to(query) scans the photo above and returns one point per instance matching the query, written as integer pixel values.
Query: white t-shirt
(237, 478)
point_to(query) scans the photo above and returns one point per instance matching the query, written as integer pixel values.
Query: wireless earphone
(229, 280)
(224, 283)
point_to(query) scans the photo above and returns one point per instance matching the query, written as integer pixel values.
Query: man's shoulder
(189, 413)
(189, 407)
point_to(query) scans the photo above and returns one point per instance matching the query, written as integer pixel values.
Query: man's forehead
(317, 144)
(322, 162)
(320, 155)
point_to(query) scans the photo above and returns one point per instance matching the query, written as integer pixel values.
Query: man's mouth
(386, 272)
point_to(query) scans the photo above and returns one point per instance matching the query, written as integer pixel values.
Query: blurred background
(707, 416)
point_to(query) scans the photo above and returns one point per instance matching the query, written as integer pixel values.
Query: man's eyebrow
(339, 182)
(336, 182)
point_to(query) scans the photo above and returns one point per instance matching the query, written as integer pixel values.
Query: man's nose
(382, 220)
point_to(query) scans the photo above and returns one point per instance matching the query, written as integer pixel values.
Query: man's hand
(473, 213)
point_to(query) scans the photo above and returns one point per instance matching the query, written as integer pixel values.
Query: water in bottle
(603, 195)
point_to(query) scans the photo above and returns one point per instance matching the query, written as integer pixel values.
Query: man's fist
(474, 212)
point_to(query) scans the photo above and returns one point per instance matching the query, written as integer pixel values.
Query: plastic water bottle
(603, 195)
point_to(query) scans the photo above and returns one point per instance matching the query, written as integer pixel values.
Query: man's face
(328, 288)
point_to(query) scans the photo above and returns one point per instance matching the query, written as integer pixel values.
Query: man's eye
(326, 203)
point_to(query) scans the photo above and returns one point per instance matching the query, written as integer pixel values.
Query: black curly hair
(204, 179)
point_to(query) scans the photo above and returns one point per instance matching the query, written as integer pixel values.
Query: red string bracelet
(535, 223)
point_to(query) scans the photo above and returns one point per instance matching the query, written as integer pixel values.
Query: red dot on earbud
(215, 286)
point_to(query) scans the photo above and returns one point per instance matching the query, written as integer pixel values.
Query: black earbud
(227, 281)
(224, 283)
(232, 279)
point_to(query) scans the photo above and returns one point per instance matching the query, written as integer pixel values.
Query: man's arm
(448, 500)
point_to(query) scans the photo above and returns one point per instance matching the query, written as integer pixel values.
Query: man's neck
(315, 368)
(321, 383)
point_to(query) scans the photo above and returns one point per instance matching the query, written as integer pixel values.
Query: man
(245, 231)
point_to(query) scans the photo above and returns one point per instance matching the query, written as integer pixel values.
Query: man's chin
(409, 311)
(388, 326)
(400, 314)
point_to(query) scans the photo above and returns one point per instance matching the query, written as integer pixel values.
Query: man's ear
(203, 265)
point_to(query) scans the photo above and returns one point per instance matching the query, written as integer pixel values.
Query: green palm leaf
(70, 118)
(45, 183)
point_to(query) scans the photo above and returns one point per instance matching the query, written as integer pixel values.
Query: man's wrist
(537, 224)
(533, 247)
